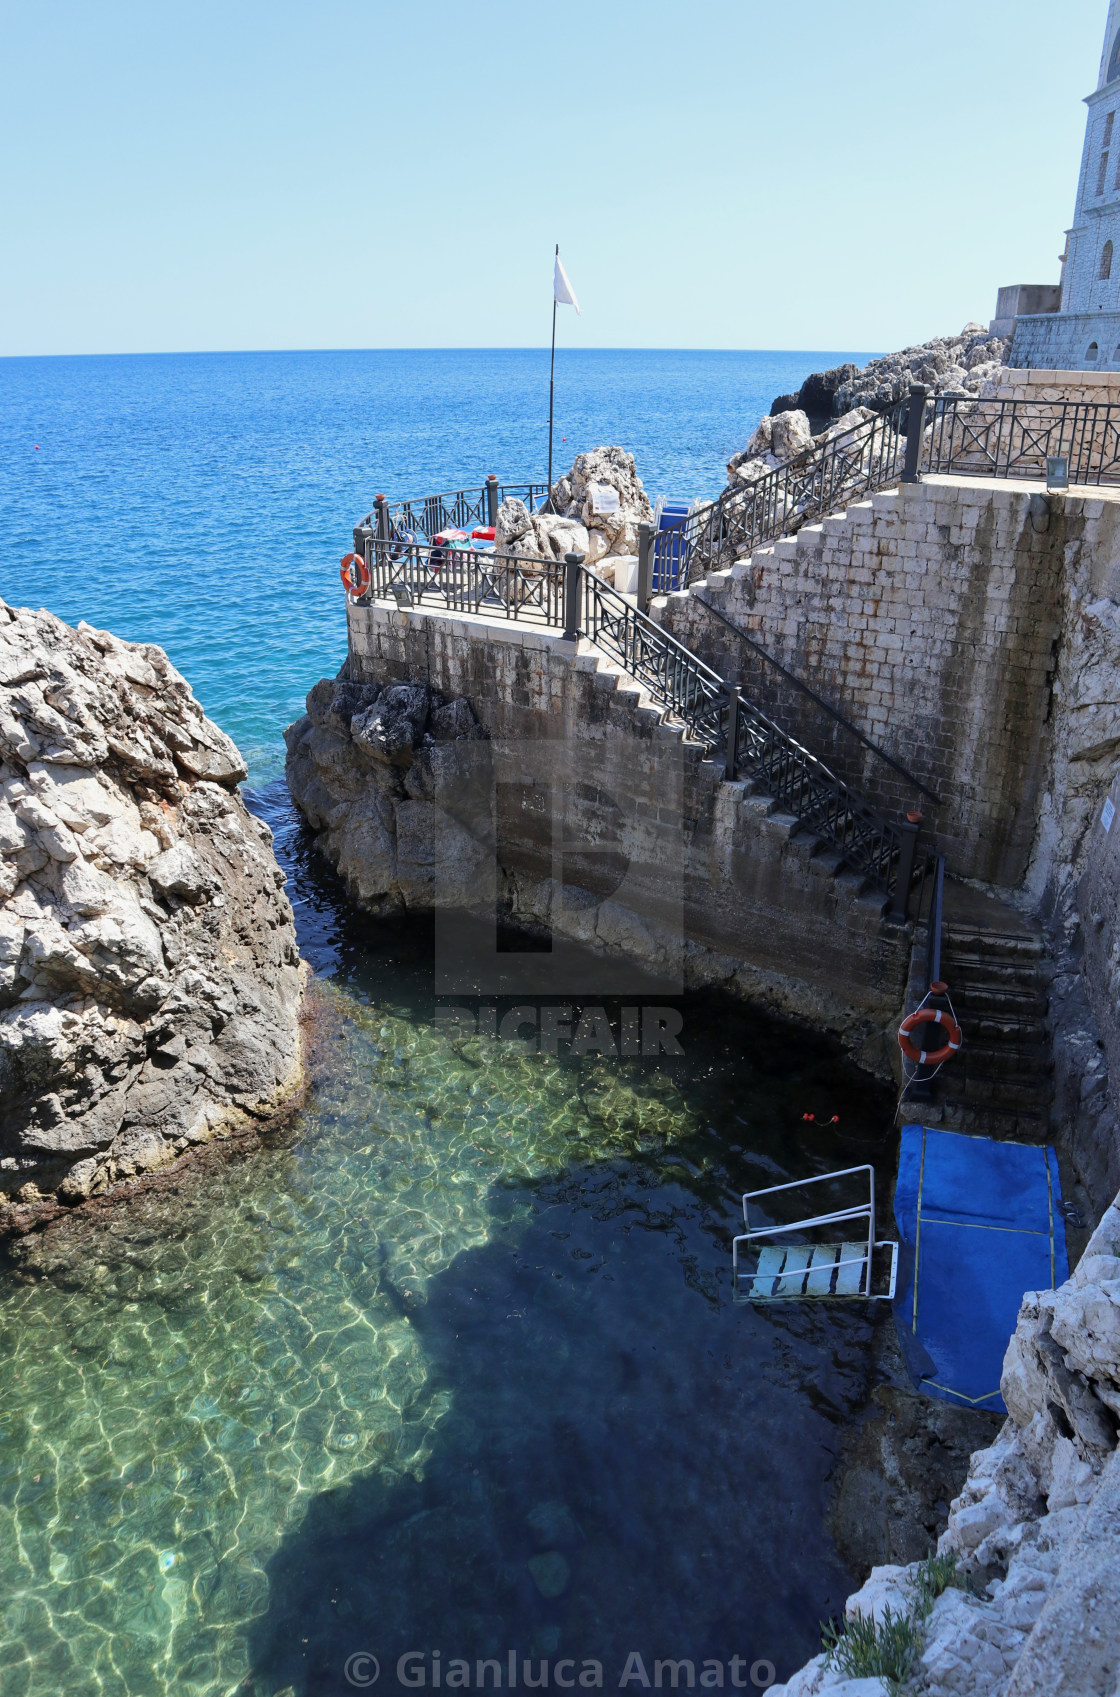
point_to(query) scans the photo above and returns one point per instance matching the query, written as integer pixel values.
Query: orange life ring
(355, 574)
(929, 1016)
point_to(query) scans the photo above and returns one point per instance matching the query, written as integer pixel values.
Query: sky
(718, 173)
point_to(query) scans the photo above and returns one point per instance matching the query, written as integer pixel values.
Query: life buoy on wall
(929, 1016)
(355, 574)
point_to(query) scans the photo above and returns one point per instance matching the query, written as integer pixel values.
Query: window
(1092, 351)
(1106, 262)
(1110, 119)
(1103, 172)
(1114, 62)
(1116, 357)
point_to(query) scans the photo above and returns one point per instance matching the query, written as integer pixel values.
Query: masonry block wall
(932, 617)
(766, 911)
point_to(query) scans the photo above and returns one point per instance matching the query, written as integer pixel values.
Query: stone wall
(1059, 341)
(1019, 384)
(932, 616)
(763, 912)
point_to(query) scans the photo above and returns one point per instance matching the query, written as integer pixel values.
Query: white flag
(562, 290)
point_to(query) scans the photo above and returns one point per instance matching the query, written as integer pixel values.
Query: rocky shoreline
(150, 982)
(1032, 1544)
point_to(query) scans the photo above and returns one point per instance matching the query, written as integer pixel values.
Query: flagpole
(551, 384)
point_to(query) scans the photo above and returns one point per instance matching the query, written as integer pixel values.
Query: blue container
(670, 546)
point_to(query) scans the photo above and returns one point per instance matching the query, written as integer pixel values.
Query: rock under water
(150, 982)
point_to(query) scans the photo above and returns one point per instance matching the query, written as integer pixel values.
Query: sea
(443, 1381)
(203, 501)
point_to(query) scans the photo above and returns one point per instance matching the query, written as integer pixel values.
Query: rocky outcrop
(949, 364)
(611, 531)
(778, 440)
(394, 779)
(1035, 1534)
(149, 977)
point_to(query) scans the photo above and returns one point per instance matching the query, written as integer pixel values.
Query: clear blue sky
(719, 173)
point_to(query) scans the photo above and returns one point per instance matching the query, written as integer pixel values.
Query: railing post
(730, 763)
(914, 426)
(900, 899)
(645, 567)
(381, 530)
(491, 499)
(572, 565)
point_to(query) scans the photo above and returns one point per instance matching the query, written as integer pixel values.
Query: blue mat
(978, 1225)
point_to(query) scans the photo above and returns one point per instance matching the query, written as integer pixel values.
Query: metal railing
(424, 518)
(569, 595)
(855, 462)
(934, 923)
(504, 586)
(1014, 438)
(807, 1269)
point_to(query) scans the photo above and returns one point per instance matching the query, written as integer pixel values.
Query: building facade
(1080, 331)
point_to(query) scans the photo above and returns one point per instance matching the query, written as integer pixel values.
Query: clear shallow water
(469, 1310)
(202, 501)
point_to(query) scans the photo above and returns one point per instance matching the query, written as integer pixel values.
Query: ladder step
(819, 1282)
(849, 1279)
(792, 1282)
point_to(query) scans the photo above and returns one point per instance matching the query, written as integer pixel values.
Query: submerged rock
(149, 977)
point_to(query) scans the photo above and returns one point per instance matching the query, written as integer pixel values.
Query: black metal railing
(1015, 438)
(715, 714)
(766, 663)
(854, 462)
(504, 586)
(935, 922)
(424, 518)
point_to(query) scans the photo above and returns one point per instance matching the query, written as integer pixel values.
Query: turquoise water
(202, 501)
(450, 1364)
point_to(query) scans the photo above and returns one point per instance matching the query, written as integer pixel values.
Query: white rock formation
(1040, 1508)
(609, 533)
(949, 364)
(149, 977)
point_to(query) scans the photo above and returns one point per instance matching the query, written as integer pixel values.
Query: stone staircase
(995, 963)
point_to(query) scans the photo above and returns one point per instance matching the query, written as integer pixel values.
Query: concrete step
(1007, 1060)
(999, 1001)
(977, 942)
(1007, 1093)
(966, 971)
(999, 1029)
(1022, 1124)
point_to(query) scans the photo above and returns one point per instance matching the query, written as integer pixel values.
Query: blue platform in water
(979, 1224)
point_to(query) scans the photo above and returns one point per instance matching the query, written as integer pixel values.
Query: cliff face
(149, 977)
(1035, 1533)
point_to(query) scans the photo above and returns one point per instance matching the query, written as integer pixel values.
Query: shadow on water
(626, 1461)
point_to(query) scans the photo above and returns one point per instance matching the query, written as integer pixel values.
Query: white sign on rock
(1108, 814)
(604, 498)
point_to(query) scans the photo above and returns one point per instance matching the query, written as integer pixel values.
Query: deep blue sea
(202, 501)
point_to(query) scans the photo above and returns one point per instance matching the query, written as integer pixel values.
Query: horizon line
(448, 348)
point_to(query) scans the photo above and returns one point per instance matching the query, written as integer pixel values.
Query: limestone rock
(400, 790)
(1040, 1509)
(610, 530)
(149, 978)
(948, 364)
